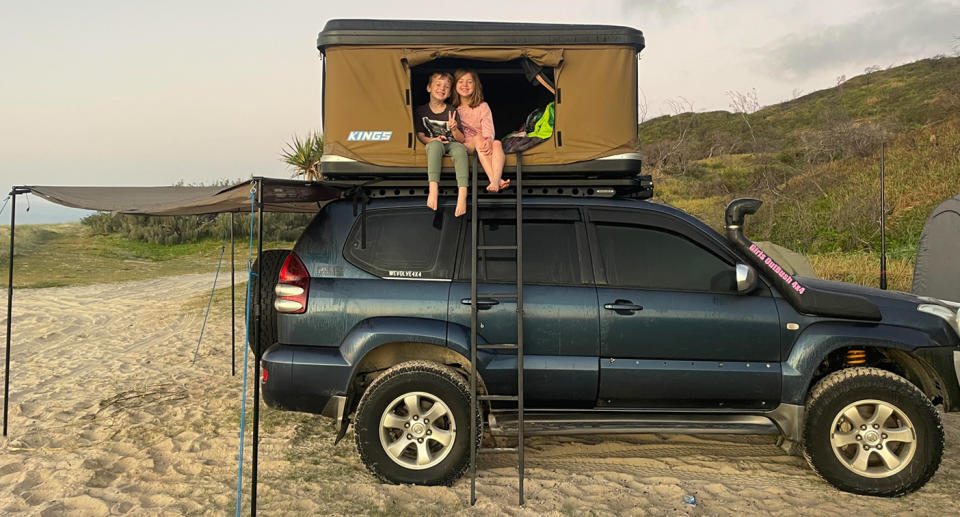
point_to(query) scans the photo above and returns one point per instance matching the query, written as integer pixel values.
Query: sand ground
(108, 416)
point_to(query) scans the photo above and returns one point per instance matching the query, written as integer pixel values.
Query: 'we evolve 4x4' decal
(405, 274)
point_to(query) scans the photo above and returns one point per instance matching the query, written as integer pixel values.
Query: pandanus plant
(304, 156)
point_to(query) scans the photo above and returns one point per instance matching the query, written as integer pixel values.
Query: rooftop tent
(936, 272)
(375, 74)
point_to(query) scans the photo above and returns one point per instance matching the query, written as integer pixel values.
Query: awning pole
(233, 306)
(6, 369)
(256, 364)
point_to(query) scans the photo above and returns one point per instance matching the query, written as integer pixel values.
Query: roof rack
(639, 186)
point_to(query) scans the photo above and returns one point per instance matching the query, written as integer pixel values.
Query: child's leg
(471, 145)
(461, 201)
(458, 152)
(461, 162)
(498, 159)
(434, 164)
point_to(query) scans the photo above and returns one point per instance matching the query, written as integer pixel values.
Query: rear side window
(553, 252)
(650, 258)
(412, 243)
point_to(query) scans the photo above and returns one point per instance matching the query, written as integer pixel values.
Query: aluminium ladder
(477, 248)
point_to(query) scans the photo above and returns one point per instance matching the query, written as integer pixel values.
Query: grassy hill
(815, 162)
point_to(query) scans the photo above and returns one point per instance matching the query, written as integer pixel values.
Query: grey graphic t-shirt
(434, 124)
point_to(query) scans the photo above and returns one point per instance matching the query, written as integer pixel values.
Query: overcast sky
(133, 92)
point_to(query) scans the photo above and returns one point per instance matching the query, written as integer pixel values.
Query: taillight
(292, 287)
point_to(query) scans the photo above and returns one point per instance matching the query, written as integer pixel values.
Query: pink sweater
(476, 121)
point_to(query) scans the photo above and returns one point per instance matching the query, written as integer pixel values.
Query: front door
(674, 331)
(560, 325)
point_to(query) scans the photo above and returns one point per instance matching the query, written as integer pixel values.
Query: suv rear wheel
(869, 431)
(413, 425)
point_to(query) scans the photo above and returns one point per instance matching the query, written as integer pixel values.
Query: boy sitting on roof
(438, 126)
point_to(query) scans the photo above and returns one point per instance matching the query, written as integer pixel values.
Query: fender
(820, 339)
(372, 333)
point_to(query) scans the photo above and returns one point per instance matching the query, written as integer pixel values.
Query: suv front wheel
(413, 425)
(870, 431)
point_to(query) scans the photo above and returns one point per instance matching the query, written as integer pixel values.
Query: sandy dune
(108, 417)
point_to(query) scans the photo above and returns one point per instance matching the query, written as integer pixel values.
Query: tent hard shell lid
(936, 273)
(375, 74)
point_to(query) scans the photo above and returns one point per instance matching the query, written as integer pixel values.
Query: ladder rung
(503, 346)
(500, 295)
(505, 398)
(506, 247)
(498, 449)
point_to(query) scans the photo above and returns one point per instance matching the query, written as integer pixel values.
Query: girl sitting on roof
(477, 126)
(437, 127)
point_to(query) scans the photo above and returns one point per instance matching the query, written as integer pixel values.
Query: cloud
(896, 29)
(664, 11)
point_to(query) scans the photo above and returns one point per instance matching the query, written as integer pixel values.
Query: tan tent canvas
(375, 74)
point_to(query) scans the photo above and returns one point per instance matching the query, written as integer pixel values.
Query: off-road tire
(271, 261)
(848, 386)
(415, 376)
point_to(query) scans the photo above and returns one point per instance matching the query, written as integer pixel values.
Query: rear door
(560, 329)
(674, 331)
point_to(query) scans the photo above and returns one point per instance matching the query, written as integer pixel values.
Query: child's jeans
(457, 151)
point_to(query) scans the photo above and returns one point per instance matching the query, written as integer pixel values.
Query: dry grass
(863, 269)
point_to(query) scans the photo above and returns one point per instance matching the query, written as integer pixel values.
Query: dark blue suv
(637, 317)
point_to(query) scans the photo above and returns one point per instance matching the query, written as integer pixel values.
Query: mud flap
(343, 420)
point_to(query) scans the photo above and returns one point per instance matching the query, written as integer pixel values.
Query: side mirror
(746, 279)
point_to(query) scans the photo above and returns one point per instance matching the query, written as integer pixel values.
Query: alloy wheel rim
(873, 438)
(417, 430)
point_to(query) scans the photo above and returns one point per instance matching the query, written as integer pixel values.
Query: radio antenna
(883, 226)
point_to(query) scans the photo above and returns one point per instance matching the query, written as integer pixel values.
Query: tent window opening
(509, 87)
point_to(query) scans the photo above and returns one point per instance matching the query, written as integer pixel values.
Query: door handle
(623, 306)
(482, 303)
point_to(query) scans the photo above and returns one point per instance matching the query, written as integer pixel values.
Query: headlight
(951, 315)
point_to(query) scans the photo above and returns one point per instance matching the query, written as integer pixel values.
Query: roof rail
(636, 187)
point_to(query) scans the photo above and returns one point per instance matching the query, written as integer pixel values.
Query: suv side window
(554, 248)
(404, 243)
(652, 258)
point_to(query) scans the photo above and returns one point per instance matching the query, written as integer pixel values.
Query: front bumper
(945, 361)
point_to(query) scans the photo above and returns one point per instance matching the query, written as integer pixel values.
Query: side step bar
(504, 423)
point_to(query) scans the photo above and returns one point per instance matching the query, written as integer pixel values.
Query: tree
(745, 104)
(304, 156)
(641, 105)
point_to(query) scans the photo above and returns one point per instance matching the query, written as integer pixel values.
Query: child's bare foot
(504, 184)
(461, 202)
(432, 197)
(493, 188)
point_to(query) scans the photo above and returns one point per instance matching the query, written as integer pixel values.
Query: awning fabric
(279, 195)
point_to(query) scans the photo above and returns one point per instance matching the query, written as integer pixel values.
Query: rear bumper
(305, 378)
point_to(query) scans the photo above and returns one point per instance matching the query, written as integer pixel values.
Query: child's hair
(477, 97)
(445, 75)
